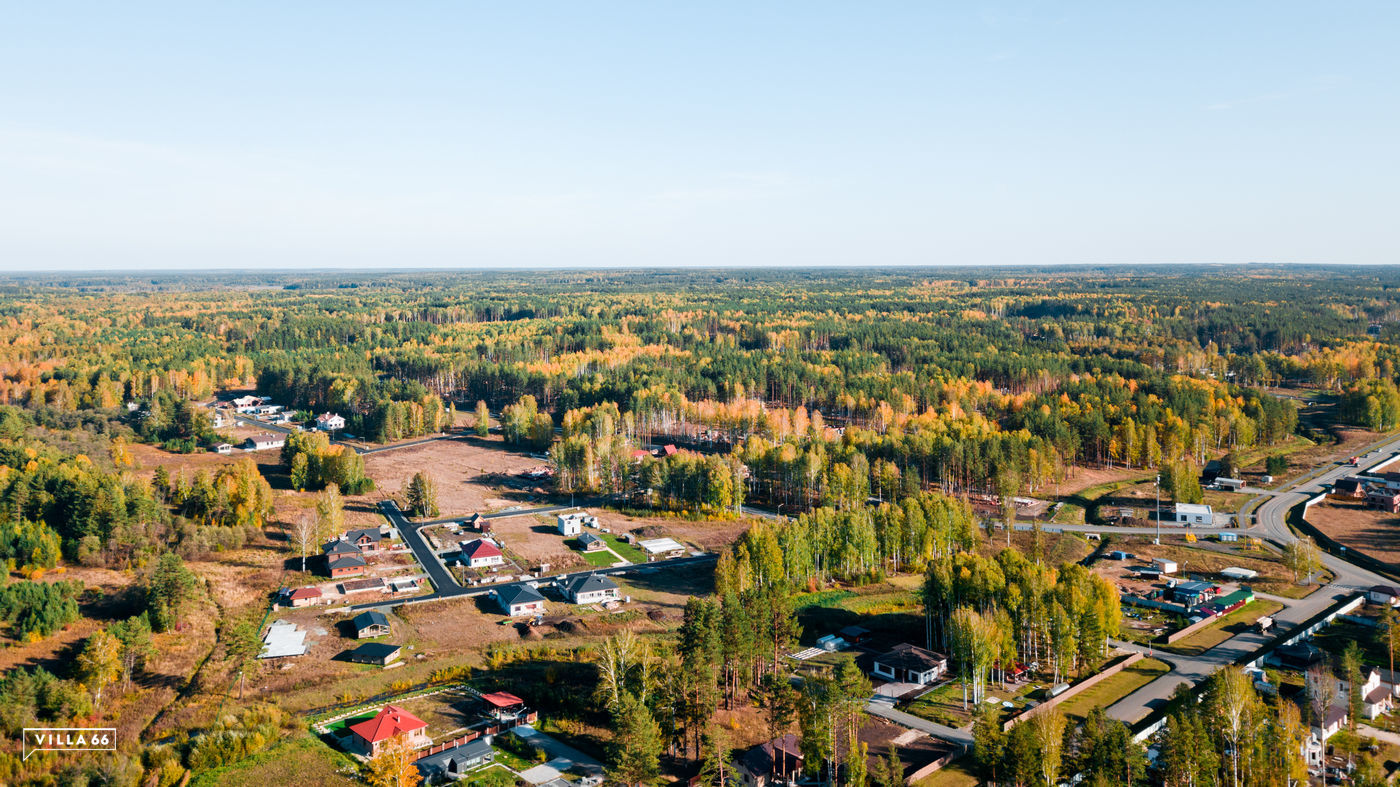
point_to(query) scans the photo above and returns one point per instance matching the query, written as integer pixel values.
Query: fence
(1077, 689)
(1298, 519)
(1157, 719)
(929, 769)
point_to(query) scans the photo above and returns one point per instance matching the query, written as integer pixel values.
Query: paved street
(1271, 523)
(446, 584)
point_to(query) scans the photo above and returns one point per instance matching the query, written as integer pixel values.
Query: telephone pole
(1157, 495)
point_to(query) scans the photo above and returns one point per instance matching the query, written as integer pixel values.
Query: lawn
(490, 776)
(335, 728)
(314, 763)
(1236, 622)
(628, 552)
(1110, 690)
(600, 559)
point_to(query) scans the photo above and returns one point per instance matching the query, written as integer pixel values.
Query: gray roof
(588, 538)
(343, 561)
(521, 593)
(374, 653)
(340, 547)
(909, 657)
(371, 618)
(373, 533)
(587, 583)
(441, 762)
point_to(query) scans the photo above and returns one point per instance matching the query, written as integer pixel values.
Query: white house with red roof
(330, 422)
(368, 736)
(482, 553)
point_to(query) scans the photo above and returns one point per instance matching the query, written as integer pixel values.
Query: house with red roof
(304, 597)
(393, 722)
(482, 553)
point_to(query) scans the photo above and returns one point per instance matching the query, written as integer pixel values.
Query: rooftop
(390, 722)
(519, 593)
(1193, 509)
(910, 657)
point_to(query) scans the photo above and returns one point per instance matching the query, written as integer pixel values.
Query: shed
(1194, 514)
(381, 653)
(1165, 565)
(1239, 574)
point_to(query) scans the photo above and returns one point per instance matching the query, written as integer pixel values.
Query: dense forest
(866, 405)
(807, 389)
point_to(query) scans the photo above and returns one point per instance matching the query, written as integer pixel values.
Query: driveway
(562, 758)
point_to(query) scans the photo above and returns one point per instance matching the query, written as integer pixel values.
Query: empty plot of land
(1368, 530)
(1114, 688)
(462, 469)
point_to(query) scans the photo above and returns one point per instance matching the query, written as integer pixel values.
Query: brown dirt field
(458, 467)
(1371, 531)
(535, 539)
(1085, 477)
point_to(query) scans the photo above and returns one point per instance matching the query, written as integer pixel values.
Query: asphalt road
(1270, 523)
(447, 586)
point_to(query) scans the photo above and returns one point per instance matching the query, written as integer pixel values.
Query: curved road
(1271, 523)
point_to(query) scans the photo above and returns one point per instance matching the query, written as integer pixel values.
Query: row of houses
(1381, 490)
(522, 599)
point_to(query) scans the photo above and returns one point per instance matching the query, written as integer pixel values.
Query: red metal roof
(502, 699)
(481, 548)
(306, 593)
(391, 722)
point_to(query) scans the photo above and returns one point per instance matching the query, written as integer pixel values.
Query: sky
(479, 135)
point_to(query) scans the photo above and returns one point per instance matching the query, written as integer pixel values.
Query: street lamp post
(1157, 496)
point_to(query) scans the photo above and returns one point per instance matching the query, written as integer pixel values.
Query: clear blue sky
(476, 134)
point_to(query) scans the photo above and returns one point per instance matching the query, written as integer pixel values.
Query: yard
(1112, 689)
(1224, 628)
(944, 704)
(628, 552)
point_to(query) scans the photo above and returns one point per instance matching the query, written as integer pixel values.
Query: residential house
(304, 597)
(391, 723)
(247, 404)
(456, 762)
(776, 762)
(370, 624)
(344, 559)
(482, 553)
(1350, 488)
(220, 419)
(1377, 698)
(569, 525)
(1383, 594)
(380, 653)
(1385, 499)
(367, 539)
(474, 521)
(265, 441)
(1194, 514)
(329, 422)
(519, 599)
(223, 448)
(590, 589)
(591, 543)
(911, 664)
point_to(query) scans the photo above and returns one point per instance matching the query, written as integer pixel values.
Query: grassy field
(1234, 623)
(628, 552)
(600, 559)
(1115, 688)
(314, 763)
